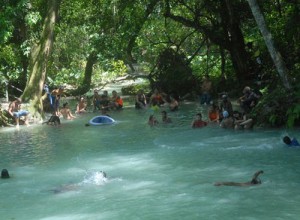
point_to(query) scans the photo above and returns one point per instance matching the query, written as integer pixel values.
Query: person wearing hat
(227, 121)
(14, 109)
(249, 99)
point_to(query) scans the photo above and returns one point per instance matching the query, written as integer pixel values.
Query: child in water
(291, 142)
(198, 122)
(152, 121)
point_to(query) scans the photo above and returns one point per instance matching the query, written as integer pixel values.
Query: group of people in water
(100, 102)
(218, 113)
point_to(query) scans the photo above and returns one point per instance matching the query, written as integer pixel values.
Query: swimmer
(291, 142)
(255, 181)
(95, 178)
(4, 174)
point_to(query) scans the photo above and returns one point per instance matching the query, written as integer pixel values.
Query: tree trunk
(86, 84)
(137, 29)
(230, 37)
(276, 56)
(39, 59)
(235, 39)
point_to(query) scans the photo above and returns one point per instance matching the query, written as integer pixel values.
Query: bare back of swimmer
(254, 181)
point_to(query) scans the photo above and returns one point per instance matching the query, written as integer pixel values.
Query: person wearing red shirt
(198, 122)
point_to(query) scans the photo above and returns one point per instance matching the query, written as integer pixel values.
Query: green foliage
(32, 18)
(161, 46)
(133, 89)
(278, 107)
(9, 62)
(293, 114)
(173, 74)
(108, 72)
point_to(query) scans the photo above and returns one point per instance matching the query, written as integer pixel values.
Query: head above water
(287, 140)
(4, 174)
(103, 173)
(199, 115)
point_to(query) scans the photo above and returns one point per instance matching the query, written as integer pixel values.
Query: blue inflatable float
(102, 120)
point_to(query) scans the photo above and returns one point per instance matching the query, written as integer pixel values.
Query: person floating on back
(254, 181)
(291, 142)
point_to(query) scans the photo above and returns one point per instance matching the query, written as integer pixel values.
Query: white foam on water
(95, 178)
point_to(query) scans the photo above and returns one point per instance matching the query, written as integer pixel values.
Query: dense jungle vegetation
(172, 43)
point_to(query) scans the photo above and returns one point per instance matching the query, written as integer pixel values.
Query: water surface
(164, 172)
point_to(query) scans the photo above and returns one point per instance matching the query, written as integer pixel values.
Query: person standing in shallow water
(205, 91)
(140, 100)
(66, 112)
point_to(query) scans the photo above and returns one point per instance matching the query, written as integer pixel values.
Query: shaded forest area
(171, 43)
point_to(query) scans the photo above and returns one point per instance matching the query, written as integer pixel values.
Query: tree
(219, 21)
(274, 53)
(39, 59)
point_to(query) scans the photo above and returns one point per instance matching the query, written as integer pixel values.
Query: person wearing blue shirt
(291, 142)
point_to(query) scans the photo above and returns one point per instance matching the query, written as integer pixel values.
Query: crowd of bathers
(219, 112)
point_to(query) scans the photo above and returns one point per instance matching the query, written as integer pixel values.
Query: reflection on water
(164, 172)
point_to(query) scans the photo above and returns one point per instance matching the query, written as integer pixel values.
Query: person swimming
(291, 142)
(4, 174)
(97, 178)
(254, 181)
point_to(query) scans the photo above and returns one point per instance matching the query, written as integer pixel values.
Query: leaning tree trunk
(276, 57)
(149, 9)
(39, 59)
(86, 84)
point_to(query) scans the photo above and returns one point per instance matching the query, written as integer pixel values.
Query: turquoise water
(164, 172)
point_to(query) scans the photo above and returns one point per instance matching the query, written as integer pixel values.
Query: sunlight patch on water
(81, 216)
